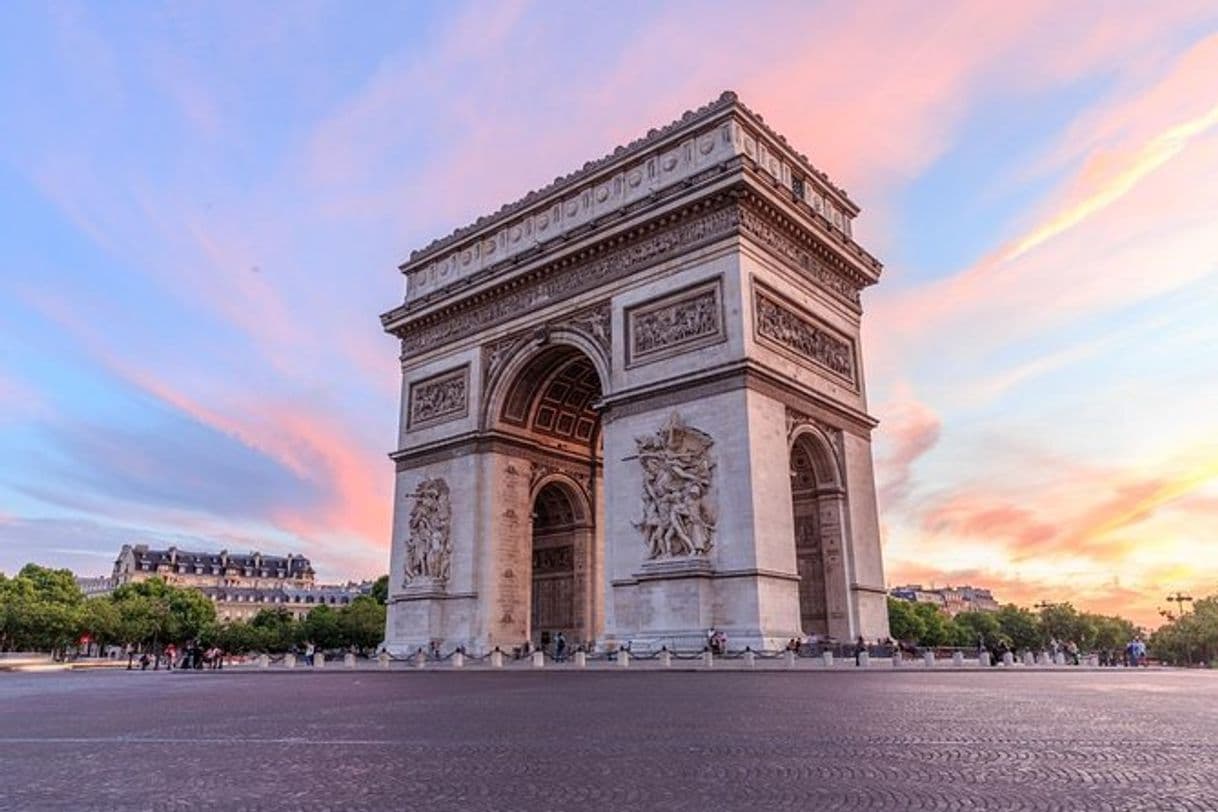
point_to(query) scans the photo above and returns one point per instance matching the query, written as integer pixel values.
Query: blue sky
(204, 207)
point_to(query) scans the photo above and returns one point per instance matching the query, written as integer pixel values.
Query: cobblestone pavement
(600, 740)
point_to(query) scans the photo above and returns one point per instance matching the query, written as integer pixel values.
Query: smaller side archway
(818, 505)
(562, 593)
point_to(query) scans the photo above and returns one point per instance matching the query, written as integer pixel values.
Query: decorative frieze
(564, 282)
(429, 545)
(676, 323)
(760, 228)
(678, 514)
(801, 335)
(439, 398)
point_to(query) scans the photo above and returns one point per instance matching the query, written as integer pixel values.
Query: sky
(202, 207)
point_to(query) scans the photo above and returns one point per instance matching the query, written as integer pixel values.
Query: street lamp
(1180, 599)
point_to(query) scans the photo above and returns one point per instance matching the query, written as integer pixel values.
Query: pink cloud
(908, 430)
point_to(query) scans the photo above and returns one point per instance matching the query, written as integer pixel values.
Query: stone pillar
(1008, 659)
(581, 660)
(264, 661)
(864, 660)
(928, 657)
(983, 659)
(623, 658)
(349, 660)
(1029, 658)
(789, 656)
(750, 659)
(496, 658)
(827, 659)
(708, 658)
(384, 659)
(420, 659)
(458, 660)
(1060, 659)
(539, 659)
(319, 660)
(958, 659)
(896, 660)
(289, 660)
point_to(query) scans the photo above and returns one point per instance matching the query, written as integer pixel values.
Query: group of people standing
(194, 658)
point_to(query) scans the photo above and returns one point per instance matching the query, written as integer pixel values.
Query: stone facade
(642, 388)
(239, 584)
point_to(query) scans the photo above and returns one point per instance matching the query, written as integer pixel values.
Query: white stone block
(1028, 658)
(1060, 659)
(958, 659)
(420, 659)
(789, 656)
(319, 660)
(1008, 659)
(666, 658)
(896, 660)
(289, 661)
(349, 660)
(864, 660)
(384, 659)
(539, 659)
(984, 659)
(750, 659)
(827, 659)
(708, 659)
(496, 659)
(264, 661)
(928, 657)
(581, 660)
(458, 660)
(623, 658)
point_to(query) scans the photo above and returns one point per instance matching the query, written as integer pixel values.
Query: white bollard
(958, 659)
(1028, 658)
(983, 659)
(827, 659)
(864, 659)
(496, 659)
(420, 659)
(750, 659)
(349, 660)
(790, 658)
(1008, 659)
(1060, 659)
(666, 658)
(539, 659)
(896, 659)
(928, 657)
(383, 658)
(289, 661)
(623, 658)
(708, 658)
(581, 660)
(264, 661)
(458, 660)
(319, 660)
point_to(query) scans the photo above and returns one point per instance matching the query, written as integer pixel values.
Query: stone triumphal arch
(633, 407)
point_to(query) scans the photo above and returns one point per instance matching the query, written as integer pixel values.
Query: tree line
(43, 609)
(1191, 638)
(1019, 629)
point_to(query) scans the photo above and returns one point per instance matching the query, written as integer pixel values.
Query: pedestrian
(309, 653)
(144, 661)
(860, 647)
(560, 647)
(171, 653)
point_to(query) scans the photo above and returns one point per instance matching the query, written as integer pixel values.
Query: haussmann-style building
(633, 407)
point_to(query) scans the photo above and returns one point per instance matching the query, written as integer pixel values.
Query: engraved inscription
(439, 398)
(676, 323)
(798, 334)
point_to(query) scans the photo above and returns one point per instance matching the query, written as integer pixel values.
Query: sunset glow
(205, 206)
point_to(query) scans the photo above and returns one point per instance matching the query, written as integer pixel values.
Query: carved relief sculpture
(440, 398)
(675, 323)
(678, 517)
(800, 336)
(429, 546)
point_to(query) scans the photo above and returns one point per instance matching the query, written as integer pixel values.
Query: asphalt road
(602, 740)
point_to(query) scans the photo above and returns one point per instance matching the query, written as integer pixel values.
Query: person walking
(560, 647)
(859, 648)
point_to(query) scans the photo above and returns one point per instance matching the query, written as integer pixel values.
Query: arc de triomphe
(633, 407)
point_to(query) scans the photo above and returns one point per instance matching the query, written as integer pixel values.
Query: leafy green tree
(1019, 628)
(380, 590)
(276, 631)
(1191, 638)
(904, 624)
(362, 623)
(40, 610)
(155, 613)
(976, 628)
(322, 628)
(100, 619)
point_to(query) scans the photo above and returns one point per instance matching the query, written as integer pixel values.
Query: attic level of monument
(723, 147)
(633, 408)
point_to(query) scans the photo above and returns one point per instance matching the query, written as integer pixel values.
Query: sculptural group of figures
(428, 548)
(678, 519)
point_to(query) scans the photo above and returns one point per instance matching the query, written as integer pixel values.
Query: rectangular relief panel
(439, 398)
(788, 328)
(675, 323)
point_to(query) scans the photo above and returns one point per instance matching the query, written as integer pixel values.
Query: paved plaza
(604, 739)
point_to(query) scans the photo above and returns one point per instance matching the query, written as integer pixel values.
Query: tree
(276, 631)
(1190, 638)
(321, 627)
(154, 613)
(363, 623)
(1019, 628)
(40, 610)
(100, 619)
(976, 628)
(380, 590)
(904, 624)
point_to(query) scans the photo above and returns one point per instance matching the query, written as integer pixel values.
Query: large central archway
(547, 402)
(817, 504)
